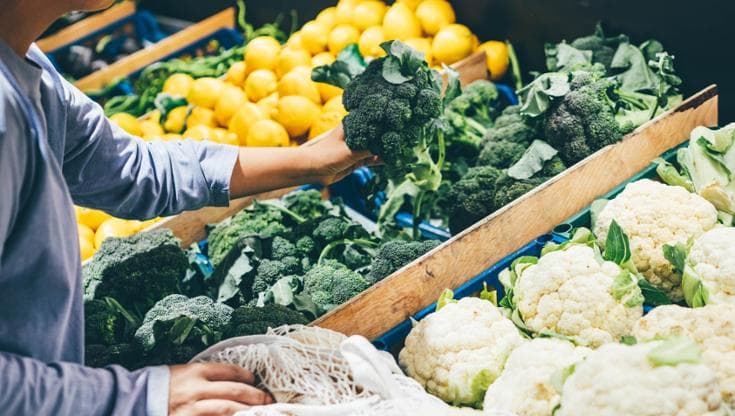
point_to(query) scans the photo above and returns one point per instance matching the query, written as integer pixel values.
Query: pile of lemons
(95, 226)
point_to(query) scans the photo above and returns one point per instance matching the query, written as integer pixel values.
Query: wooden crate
(417, 285)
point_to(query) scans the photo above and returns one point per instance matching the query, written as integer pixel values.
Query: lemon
(296, 114)
(268, 133)
(127, 122)
(290, 58)
(147, 223)
(205, 92)
(434, 15)
(334, 105)
(422, 45)
(452, 43)
(236, 74)
(325, 122)
(176, 119)
(322, 58)
(400, 23)
(86, 248)
(85, 232)
(314, 37)
(115, 227)
(296, 40)
(178, 85)
(298, 82)
(327, 17)
(150, 128)
(269, 105)
(345, 12)
(223, 136)
(243, 119)
(231, 100)
(370, 41)
(171, 136)
(199, 132)
(262, 53)
(260, 84)
(92, 218)
(411, 4)
(154, 116)
(497, 58)
(341, 36)
(328, 91)
(201, 116)
(369, 13)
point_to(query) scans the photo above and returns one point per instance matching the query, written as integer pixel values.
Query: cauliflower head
(711, 327)
(710, 268)
(653, 214)
(642, 380)
(525, 387)
(457, 351)
(570, 292)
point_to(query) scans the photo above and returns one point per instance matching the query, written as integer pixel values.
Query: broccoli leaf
(564, 56)
(532, 161)
(536, 97)
(230, 286)
(349, 63)
(675, 351)
(453, 89)
(634, 74)
(402, 62)
(653, 295)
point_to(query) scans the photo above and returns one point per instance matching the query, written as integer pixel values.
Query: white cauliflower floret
(524, 387)
(712, 261)
(619, 379)
(457, 351)
(569, 292)
(653, 214)
(711, 327)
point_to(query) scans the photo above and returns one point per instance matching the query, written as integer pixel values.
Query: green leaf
(633, 72)
(617, 246)
(347, 66)
(670, 175)
(304, 304)
(560, 376)
(489, 295)
(675, 351)
(715, 155)
(628, 340)
(479, 385)
(532, 161)
(625, 288)
(563, 56)
(446, 297)
(676, 255)
(230, 286)
(180, 329)
(453, 89)
(695, 294)
(165, 103)
(283, 290)
(536, 97)
(653, 295)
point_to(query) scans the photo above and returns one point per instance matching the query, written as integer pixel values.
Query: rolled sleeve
(159, 379)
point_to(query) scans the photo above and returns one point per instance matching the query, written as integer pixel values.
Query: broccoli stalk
(334, 244)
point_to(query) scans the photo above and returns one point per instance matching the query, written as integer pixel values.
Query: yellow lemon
(199, 132)
(325, 122)
(236, 74)
(86, 248)
(147, 223)
(115, 227)
(328, 91)
(269, 105)
(85, 232)
(154, 116)
(295, 40)
(260, 84)
(262, 53)
(223, 136)
(370, 41)
(92, 218)
(267, 133)
(290, 58)
(341, 36)
(127, 122)
(345, 12)
(201, 116)
(314, 37)
(452, 43)
(369, 13)
(150, 128)
(245, 118)
(322, 58)
(205, 92)
(327, 17)
(178, 85)
(297, 114)
(176, 119)
(298, 82)
(497, 58)
(231, 100)
(422, 45)
(334, 105)
(411, 4)
(434, 15)
(400, 23)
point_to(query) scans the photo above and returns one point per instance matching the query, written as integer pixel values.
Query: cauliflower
(711, 327)
(575, 293)
(653, 214)
(457, 351)
(654, 379)
(524, 387)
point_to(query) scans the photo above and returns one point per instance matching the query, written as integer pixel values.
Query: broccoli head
(106, 322)
(473, 197)
(136, 271)
(337, 228)
(500, 154)
(306, 247)
(128, 355)
(280, 248)
(395, 254)
(308, 204)
(512, 126)
(269, 271)
(253, 320)
(330, 284)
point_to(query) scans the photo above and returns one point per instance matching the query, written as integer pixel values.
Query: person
(56, 149)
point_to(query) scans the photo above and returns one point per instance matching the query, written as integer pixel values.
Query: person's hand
(212, 390)
(332, 160)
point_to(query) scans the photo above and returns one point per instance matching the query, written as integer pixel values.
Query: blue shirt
(57, 148)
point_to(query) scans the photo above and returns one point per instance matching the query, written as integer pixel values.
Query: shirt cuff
(157, 391)
(218, 162)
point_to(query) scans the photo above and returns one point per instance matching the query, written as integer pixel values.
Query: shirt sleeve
(31, 387)
(107, 168)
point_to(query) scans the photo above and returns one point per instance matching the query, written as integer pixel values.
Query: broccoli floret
(476, 102)
(500, 154)
(508, 189)
(473, 197)
(306, 246)
(252, 320)
(269, 271)
(106, 322)
(393, 255)
(128, 355)
(307, 203)
(356, 257)
(330, 284)
(337, 228)
(136, 271)
(280, 248)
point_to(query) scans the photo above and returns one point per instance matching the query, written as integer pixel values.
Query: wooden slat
(466, 255)
(82, 28)
(472, 68)
(157, 52)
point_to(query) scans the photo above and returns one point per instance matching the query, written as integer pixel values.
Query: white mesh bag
(317, 372)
